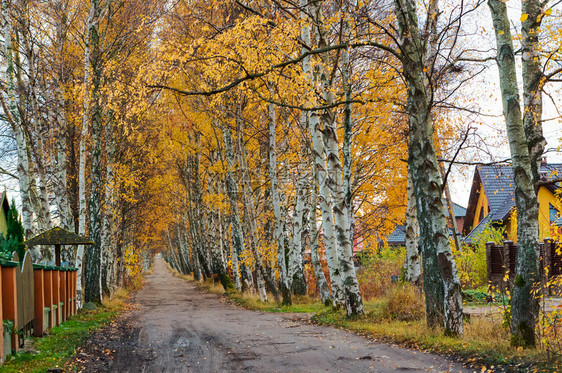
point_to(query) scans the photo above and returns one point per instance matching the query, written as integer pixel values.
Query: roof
(397, 237)
(458, 210)
(499, 187)
(58, 236)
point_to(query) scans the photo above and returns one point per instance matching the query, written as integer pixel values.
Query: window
(482, 214)
(553, 212)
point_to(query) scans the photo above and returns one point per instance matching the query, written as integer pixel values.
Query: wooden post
(10, 298)
(57, 255)
(549, 247)
(62, 301)
(48, 292)
(507, 247)
(56, 295)
(489, 261)
(39, 300)
(74, 290)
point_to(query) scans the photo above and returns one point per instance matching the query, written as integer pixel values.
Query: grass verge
(55, 349)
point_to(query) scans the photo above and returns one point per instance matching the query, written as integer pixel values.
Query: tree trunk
(237, 233)
(251, 217)
(296, 259)
(441, 282)
(92, 284)
(84, 137)
(524, 304)
(321, 283)
(19, 134)
(413, 269)
(325, 198)
(275, 201)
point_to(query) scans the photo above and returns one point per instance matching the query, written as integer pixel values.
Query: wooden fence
(501, 259)
(34, 298)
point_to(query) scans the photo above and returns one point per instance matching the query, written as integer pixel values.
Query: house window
(482, 214)
(553, 212)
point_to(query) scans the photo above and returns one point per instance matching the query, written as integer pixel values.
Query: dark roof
(397, 237)
(499, 187)
(458, 210)
(58, 236)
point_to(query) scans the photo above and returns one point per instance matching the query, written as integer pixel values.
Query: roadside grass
(485, 345)
(55, 349)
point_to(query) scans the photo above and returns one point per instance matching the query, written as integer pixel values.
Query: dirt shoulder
(175, 327)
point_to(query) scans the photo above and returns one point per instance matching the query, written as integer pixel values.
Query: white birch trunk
(524, 304)
(296, 265)
(284, 287)
(321, 283)
(250, 205)
(84, 135)
(413, 267)
(325, 198)
(353, 301)
(23, 167)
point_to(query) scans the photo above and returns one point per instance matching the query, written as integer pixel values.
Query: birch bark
(232, 189)
(251, 218)
(413, 268)
(22, 141)
(353, 301)
(92, 281)
(278, 222)
(319, 154)
(296, 265)
(441, 282)
(84, 137)
(321, 283)
(524, 304)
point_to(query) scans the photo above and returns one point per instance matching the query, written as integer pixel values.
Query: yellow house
(4, 207)
(492, 200)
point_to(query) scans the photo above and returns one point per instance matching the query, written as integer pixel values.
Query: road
(176, 327)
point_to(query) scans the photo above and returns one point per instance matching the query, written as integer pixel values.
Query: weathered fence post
(74, 290)
(48, 291)
(56, 295)
(62, 288)
(506, 257)
(10, 297)
(489, 261)
(549, 246)
(39, 306)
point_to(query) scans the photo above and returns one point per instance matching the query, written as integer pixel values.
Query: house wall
(545, 197)
(511, 228)
(3, 222)
(482, 202)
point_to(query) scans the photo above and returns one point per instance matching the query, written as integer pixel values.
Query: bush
(377, 268)
(404, 303)
(471, 260)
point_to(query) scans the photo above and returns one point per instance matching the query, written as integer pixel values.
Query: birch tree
(526, 144)
(441, 281)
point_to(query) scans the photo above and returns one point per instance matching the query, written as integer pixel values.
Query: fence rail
(501, 259)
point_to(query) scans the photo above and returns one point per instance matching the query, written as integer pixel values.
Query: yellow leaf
(501, 32)
(548, 11)
(524, 17)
